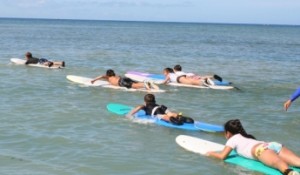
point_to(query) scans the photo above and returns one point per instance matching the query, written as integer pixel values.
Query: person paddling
(160, 111)
(116, 80)
(33, 60)
(272, 154)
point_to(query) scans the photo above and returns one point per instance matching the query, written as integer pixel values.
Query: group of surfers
(171, 75)
(272, 154)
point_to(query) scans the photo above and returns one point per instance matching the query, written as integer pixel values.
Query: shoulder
(140, 107)
(234, 140)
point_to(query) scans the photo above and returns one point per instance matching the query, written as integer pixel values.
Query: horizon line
(149, 21)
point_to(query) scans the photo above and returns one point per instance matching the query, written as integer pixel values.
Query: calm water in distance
(50, 126)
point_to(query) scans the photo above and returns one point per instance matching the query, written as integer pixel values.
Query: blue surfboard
(122, 110)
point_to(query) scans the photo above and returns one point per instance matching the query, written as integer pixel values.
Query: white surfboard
(198, 145)
(87, 82)
(141, 78)
(22, 62)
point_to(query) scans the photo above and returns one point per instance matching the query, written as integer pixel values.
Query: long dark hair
(236, 127)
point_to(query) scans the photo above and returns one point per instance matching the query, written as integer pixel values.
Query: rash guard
(295, 95)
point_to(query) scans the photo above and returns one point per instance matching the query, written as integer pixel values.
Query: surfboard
(201, 146)
(101, 83)
(122, 110)
(159, 79)
(86, 81)
(19, 61)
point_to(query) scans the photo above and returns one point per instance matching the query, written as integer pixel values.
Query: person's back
(112, 78)
(170, 75)
(243, 145)
(30, 59)
(150, 107)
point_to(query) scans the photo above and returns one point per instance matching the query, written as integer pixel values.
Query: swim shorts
(125, 82)
(177, 79)
(43, 60)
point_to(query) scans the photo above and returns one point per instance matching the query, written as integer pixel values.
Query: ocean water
(50, 126)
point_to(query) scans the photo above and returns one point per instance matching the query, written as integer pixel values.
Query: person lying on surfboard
(293, 97)
(178, 71)
(160, 111)
(115, 80)
(183, 79)
(272, 154)
(33, 60)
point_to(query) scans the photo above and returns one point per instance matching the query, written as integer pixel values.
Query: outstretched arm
(293, 97)
(98, 78)
(220, 155)
(166, 80)
(133, 111)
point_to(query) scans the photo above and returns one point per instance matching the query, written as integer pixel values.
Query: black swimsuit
(125, 82)
(32, 60)
(159, 110)
(177, 79)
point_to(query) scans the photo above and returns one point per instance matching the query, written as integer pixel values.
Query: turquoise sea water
(50, 126)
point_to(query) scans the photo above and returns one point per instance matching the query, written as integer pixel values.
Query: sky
(202, 11)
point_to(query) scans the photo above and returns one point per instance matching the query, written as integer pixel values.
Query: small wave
(143, 121)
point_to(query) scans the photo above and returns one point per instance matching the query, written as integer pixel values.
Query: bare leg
(167, 116)
(139, 86)
(192, 81)
(59, 63)
(184, 80)
(199, 82)
(270, 158)
(289, 157)
(48, 63)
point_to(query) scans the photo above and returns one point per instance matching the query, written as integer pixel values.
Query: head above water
(149, 99)
(235, 127)
(168, 70)
(28, 55)
(177, 68)
(110, 73)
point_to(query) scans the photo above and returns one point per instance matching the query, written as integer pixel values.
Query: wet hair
(169, 70)
(236, 127)
(28, 54)
(149, 99)
(177, 67)
(110, 73)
